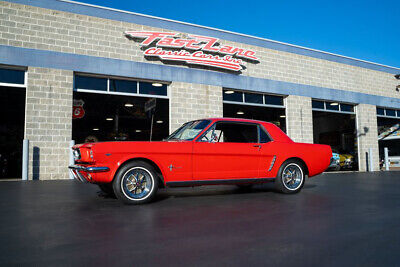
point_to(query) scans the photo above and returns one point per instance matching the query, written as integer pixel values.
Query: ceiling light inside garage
(138, 131)
(95, 129)
(128, 105)
(157, 84)
(282, 116)
(240, 112)
(109, 119)
(159, 121)
(334, 104)
(229, 92)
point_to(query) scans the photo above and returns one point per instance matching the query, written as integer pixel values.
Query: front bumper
(82, 173)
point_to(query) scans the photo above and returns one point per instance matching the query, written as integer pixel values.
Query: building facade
(71, 65)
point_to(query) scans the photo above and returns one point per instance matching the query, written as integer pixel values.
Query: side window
(231, 132)
(264, 137)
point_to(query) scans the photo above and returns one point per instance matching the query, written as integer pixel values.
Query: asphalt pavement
(337, 219)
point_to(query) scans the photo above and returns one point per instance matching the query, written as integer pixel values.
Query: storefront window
(273, 100)
(332, 106)
(380, 111)
(152, 88)
(318, 104)
(123, 86)
(230, 95)
(253, 98)
(346, 108)
(90, 83)
(390, 112)
(12, 76)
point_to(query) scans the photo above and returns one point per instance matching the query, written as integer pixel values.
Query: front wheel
(290, 178)
(136, 183)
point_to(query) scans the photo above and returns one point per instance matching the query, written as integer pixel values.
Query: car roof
(274, 131)
(237, 119)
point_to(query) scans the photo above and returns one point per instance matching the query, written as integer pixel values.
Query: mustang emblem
(170, 167)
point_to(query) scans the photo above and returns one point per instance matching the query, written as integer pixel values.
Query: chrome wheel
(137, 183)
(292, 176)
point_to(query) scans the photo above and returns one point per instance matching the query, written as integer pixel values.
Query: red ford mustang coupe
(202, 152)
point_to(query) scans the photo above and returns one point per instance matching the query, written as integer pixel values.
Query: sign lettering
(196, 49)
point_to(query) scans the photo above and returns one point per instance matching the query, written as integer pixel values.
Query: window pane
(12, 76)
(90, 83)
(390, 112)
(273, 100)
(123, 86)
(380, 111)
(149, 89)
(398, 113)
(332, 106)
(318, 104)
(237, 132)
(264, 138)
(230, 95)
(253, 98)
(347, 108)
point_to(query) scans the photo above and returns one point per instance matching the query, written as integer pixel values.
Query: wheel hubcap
(137, 183)
(292, 176)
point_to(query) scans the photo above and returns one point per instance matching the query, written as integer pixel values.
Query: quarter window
(264, 137)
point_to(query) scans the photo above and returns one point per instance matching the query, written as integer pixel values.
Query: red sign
(193, 50)
(77, 111)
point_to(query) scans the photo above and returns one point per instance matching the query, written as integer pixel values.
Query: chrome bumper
(76, 169)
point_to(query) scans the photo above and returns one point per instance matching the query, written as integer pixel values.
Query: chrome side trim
(272, 163)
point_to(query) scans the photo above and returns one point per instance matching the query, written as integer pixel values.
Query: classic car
(202, 152)
(335, 162)
(346, 161)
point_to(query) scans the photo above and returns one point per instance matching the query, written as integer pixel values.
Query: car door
(268, 153)
(228, 150)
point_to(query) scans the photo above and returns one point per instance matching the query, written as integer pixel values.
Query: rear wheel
(136, 183)
(290, 178)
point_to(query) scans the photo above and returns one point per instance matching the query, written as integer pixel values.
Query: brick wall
(193, 101)
(38, 28)
(48, 122)
(367, 135)
(299, 123)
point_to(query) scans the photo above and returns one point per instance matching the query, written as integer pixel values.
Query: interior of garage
(117, 109)
(118, 118)
(254, 106)
(12, 108)
(389, 136)
(335, 125)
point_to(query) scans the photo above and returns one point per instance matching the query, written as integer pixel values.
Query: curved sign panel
(195, 49)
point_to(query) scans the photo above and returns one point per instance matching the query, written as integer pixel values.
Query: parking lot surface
(337, 219)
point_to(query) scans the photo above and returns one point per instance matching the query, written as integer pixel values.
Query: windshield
(189, 130)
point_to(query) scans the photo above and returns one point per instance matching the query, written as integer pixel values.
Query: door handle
(259, 147)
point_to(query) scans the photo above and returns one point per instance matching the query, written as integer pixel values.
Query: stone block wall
(193, 101)
(299, 122)
(48, 122)
(367, 134)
